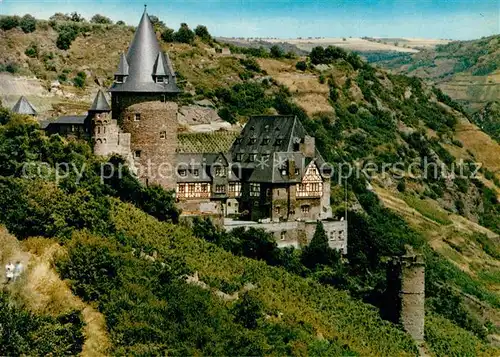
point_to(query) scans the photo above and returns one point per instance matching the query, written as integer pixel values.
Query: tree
(184, 34)
(317, 252)
(100, 19)
(59, 16)
(158, 25)
(28, 23)
(202, 32)
(167, 35)
(9, 22)
(301, 65)
(277, 52)
(120, 23)
(317, 55)
(76, 17)
(67, 34)
(32, 51)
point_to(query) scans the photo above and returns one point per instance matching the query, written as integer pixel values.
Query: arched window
(98, 130)
(98, 141)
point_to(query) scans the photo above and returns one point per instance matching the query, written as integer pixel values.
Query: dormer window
(252, 140)
(265, 141)
(161, 79)
(119, 78)
(252, 157)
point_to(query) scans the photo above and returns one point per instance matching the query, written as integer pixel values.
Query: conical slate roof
(100, 103)
(122, 66)
(23, 106)
(141, 59)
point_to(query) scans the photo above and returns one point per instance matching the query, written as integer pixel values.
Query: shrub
(158, 25)
(79, 80)
(251, 64)
(28, 23)
(9, 22)
(277, 52)
(120, 23)
(301, 65)
(11, 67)
(226, 115)
(32, 51)
(100, 19)
(401, 186)
(184, 34)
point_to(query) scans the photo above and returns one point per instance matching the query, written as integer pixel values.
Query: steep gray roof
(271, 141)
(141, 58)
(23, 106)
(100, 103)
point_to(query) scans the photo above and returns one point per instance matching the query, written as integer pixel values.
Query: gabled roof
(100, 103)
(122, 66)
(141, 58)
(69, 119)
(23, 106)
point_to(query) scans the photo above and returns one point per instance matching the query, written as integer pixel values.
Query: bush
(401, 185)
(167, 35)
(9, 22)
(277, 52)
(79, 80)
(100, 19)
(11, 67)
(28, 23)
(184, 34)
(32, 51)
(251, 64)
(202, 32)
(301, 65)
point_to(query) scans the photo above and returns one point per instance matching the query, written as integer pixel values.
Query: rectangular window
(238, 157)
(137, 154)
(265, 141)
(305, 209)
(252, 141)
(332, 235)
(283, 235)
(277, 209)
(235, 189)
(137, 116)
(204, 187)
(191, 187)
(159, 79)
(252, 157)
(163, 134)
(220, 188)
(119, 79)
(181, 188)
(196, 172)
(220, 171)
(182, 172)
(255, 189)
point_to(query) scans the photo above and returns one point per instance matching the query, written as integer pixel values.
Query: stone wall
(108, 138)
(298, 233)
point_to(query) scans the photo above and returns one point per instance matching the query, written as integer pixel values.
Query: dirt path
(43, 292)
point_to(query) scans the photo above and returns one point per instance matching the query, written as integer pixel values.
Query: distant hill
(468, 71)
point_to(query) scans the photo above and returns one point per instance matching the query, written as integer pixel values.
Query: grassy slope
(332, 314)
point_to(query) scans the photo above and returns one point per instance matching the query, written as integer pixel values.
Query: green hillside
(124, 252)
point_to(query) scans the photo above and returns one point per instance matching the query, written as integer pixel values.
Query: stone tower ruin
(143, 105)
(405, 300)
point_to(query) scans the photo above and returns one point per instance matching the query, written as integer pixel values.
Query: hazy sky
(456, 19)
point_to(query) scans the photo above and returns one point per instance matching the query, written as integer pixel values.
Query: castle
(272, 175)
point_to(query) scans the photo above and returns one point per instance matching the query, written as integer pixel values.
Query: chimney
(291, 168)
(308, 148)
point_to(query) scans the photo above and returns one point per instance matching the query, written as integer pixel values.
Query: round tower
(99, 122)
(143, 103)
(412, 295)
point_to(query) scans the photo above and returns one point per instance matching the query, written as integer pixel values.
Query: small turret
(23, 106)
